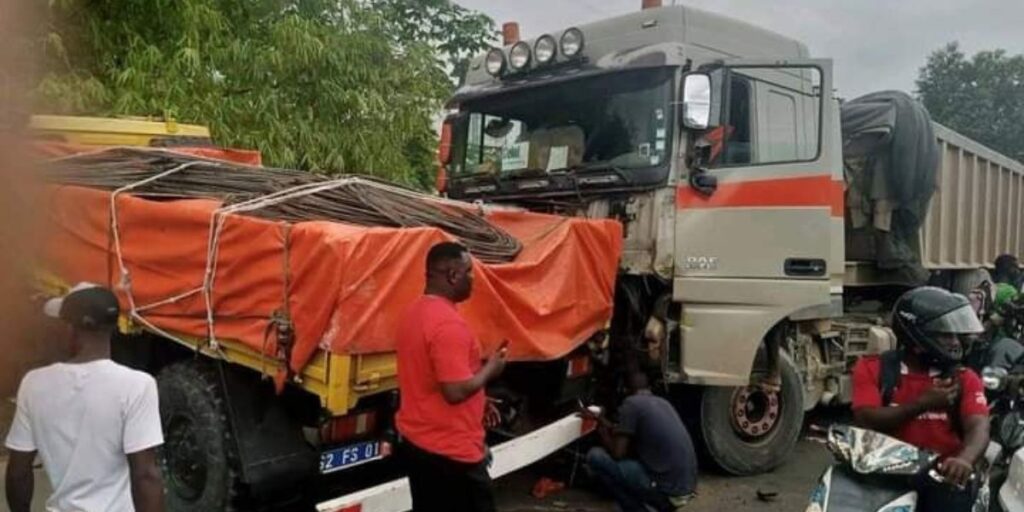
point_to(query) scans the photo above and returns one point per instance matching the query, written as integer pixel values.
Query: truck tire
(198, 458)
(748, 430)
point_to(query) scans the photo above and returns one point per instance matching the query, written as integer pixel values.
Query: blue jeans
(627, 481)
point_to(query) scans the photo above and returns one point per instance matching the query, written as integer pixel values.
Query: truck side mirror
(444, 147)
(696, 113)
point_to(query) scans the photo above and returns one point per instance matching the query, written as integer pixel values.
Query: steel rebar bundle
(361, 201)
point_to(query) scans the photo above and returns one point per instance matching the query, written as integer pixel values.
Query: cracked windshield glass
(615, 121)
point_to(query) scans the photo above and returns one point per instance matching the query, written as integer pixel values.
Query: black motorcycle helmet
(922, 315)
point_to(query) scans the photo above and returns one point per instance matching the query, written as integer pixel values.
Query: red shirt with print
(932, 430)
(435, 345)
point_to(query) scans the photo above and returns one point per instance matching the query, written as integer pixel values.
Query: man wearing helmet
(923, 395)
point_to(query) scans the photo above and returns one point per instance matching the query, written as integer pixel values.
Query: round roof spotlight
(494, 62)
(572, 42)
(544, 49)
(519, 56)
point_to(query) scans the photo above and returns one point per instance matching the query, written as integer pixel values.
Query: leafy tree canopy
(325, 85)
(981, 97)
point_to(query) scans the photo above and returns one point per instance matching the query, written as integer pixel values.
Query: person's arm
(869, 412)
(975, 421)
(21, 444)
(888, 419)
(460, 391)
(142, 436)
(616, 437)
(20, 480)
(449, 350)
(616, 442)
(147, 485)
(958, 469)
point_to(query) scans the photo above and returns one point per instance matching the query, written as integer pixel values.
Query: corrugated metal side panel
(977, 212)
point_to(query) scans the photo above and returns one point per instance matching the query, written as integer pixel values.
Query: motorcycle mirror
(994, 378)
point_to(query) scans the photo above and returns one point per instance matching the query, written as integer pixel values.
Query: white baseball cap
(85, 305)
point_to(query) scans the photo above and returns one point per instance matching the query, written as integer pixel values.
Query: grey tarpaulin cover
(891, 160)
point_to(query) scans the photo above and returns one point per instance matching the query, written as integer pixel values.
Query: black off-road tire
(739, 454)
(199, 456)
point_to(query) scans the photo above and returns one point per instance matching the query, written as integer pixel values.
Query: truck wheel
(750, 430)
(198, 456)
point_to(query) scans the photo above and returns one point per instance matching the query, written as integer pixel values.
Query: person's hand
(585, 411)
(941, 396)
(492, 416)
(496, 363)
(956, 471)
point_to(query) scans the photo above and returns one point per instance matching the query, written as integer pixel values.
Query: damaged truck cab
(716, 144)
(755, 269)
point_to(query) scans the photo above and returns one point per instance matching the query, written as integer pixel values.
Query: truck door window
(771, 116)
(738, 146)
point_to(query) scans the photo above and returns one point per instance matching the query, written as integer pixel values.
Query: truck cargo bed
(342, 287)
(976, 213)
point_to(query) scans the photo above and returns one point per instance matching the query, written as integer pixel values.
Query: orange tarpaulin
(343, 286)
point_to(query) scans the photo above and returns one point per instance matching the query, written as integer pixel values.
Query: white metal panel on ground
(509, 456)
(1011, 496)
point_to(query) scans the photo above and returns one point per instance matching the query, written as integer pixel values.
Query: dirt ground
(791, 484)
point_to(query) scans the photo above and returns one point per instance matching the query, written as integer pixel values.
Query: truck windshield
(617, 120)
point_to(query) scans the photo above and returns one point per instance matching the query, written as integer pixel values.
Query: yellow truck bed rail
(102, 131)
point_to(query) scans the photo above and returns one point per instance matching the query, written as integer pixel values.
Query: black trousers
(440, 484)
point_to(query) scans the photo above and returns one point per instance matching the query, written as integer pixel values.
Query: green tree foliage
(325, 85)
(453, 31)
(981, 97)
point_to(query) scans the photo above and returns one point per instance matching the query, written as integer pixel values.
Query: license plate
(349, 456)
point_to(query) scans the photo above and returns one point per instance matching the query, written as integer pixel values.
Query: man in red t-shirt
(441, 383)
(935, 403)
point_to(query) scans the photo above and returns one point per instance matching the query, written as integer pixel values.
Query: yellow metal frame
(339, 380)
(102, 131)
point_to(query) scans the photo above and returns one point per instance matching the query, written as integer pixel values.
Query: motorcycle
(1005, 389)
(877, 473)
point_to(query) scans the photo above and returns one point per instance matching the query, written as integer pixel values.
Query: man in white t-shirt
(94, 423)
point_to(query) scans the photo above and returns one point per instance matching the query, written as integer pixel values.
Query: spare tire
(198, 457)
(750, 430)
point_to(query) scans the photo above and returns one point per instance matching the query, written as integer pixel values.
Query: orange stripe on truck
(804, 191)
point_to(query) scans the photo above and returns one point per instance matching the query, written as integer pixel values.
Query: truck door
(764, 241)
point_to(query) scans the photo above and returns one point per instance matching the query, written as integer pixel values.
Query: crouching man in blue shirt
(647, 458)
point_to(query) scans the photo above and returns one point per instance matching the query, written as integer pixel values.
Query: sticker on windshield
(659, 145)
(644, 150)
(515, 156)
(558, 158)
(660, 133)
